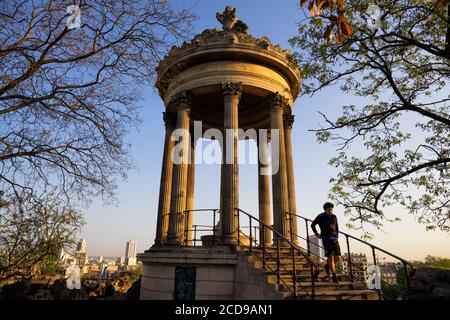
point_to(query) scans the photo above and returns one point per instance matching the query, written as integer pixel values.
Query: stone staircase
(325, 288)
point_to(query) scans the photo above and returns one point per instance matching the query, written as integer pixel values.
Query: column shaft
(279, 178)
(165, 186)
(264, 189)
(289, 121)
(180, 173)
(229, 184)
(190, 193)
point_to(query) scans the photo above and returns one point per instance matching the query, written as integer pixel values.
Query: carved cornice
(183, 99)
(277, 100)
(289, 121)
(234, 32)
(231, 89)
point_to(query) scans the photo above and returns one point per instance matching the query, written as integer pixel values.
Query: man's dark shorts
(331, 247)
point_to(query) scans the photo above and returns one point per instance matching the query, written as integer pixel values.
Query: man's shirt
(328, 224)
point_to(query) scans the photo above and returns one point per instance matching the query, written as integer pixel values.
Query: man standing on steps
(329, 232)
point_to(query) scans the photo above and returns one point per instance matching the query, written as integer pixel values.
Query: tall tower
(82, 246)
(130, 253)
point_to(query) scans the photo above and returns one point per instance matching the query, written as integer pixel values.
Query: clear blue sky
(109, 227)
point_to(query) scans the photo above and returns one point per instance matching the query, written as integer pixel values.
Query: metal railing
(280, 241)
(258, 249)
(406, 264)
(198, 228)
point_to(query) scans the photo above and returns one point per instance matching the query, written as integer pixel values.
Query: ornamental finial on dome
(229, 21)
(227, 18)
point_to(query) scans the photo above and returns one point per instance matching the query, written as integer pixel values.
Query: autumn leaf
(338, 36)
(440, 4)
(328, 35)
(312, 9)
(323, 4)
(345, 28)
(303, 2)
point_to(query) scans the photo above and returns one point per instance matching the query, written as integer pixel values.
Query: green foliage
(394, 148)
(68, 98)
(434, 262)
(391, 292)
(50, 266)
(394, 292)
(33, 229)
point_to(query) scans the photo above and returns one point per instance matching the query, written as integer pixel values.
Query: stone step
(325, 288)
(274, 251)
(282, 251)
(287, 286)
(285, 264)
(287, 258)
(336, 295)
(272, 278)
(298, 262)
(305, 275)
(288, 271)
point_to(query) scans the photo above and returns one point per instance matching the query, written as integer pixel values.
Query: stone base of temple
(202, 273)
(233, 273)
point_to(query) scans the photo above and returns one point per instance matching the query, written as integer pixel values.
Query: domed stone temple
(231, 81)
(228, 79)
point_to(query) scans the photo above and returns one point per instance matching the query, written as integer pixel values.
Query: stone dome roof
(232, 43)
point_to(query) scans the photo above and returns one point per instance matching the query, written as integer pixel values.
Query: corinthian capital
(183, 99)
(289, 121)
(231, 88)
(276, 100)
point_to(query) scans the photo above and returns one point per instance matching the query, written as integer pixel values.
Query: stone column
(229, 175)
(183, 102)
(279, 179)
(165, 186)
(264, 188)
(288, 123)
(190, 191)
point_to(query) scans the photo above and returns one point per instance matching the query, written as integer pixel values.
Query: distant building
(388, 272)
(81, 256)
(106, 270)
(359, 265)
(130, 253)
(315, 247)
(65, 257)
(82, 245)
(121, 260)
(81, 259)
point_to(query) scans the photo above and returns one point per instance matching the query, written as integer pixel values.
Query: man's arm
(337, 227)
(313, 226)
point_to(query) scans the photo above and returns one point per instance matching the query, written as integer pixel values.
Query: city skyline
(135, 215)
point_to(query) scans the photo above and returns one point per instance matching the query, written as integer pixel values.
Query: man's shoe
(327, 269)
(335, 280)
